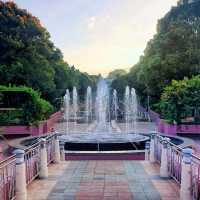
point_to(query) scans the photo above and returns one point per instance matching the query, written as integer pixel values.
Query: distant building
(182, 2)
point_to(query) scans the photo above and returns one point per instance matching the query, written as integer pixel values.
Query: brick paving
(103, 180)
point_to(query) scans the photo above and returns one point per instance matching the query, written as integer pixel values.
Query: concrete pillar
(152, 149)
(147, 148)
(57, 150)
(185, 191)
(43, 160)
(21, 190)
(62, 150)
(164, 161)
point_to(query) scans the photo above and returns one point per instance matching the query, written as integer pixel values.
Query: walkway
(103, 180)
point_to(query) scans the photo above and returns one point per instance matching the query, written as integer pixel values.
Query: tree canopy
(117, 73)
(28, 57)
(173, 53)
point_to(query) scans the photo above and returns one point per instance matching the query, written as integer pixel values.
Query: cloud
(91, 22)
(117, 36)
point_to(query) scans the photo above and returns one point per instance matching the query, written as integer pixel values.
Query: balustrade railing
(158, 147)
(7, 179)
(174, 157)
(50, 148)
(32, 162)
(32, 158)
(195, 177)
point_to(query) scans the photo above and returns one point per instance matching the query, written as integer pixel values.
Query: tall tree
(28, 57)
(173, 53)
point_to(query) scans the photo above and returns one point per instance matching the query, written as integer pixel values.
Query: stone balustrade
(25, 166)
(179, 164)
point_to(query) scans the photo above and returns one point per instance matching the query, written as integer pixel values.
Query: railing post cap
(153, 132)
(147, 145)
(56, 133)
(187, 151)
(165, 140)
(62, 144)
(19, 153)
(43, 142)
(187, 155)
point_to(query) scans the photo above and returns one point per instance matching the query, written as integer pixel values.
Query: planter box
(15, 130)
(43, 128)
(188, 129)
(173, 129)
(169, 129)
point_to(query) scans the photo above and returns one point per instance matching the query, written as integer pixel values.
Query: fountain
(127, 108)
(102, 107)
(105, 137)
(115, 105)
(130, 110)
(74, 106)
(67, 109)
(88, 105)
(133, 110)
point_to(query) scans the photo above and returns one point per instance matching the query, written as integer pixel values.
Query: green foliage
(181, 100)
(28, 57)
(11, 117)
(117, 73)
(30, 110)
(173, 53)
(120, 84)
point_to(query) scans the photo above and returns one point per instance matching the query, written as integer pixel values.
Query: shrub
(181, 100)
(24, 106)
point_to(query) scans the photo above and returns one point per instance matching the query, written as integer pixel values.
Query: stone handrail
(19, 170)
(177, 163)
(8, 178)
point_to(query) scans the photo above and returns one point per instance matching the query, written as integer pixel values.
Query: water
(115, 106)
(133, 110)
(130, 110)
(75, 106)
(127, 108)
(88, 105)
(102, 130)
(67, 109)
(102, 107)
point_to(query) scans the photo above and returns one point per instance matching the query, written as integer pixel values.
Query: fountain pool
(103, 136)
(104, 141)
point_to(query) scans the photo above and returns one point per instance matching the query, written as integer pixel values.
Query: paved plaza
(103, 180)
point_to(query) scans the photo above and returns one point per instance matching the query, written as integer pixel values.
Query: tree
(116, 73)
(28, 57)
(172, 54)
(25, 50)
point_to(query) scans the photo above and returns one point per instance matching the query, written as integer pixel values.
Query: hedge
(22, 105)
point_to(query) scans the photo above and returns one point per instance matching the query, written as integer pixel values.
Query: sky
(98, 36)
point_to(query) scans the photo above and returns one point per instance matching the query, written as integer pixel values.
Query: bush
(23, 105)
(181, 101)
(11, 117)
